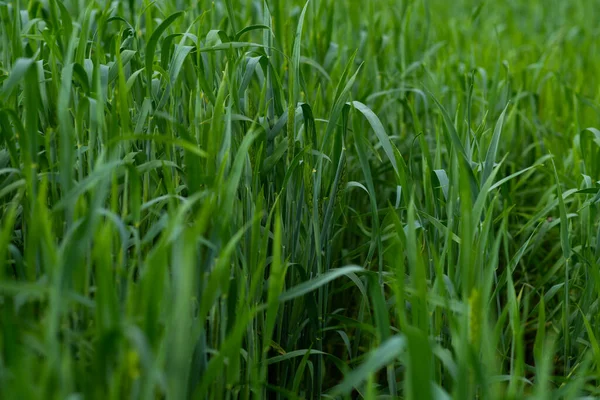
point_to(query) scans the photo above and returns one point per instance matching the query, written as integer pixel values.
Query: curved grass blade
(17, 74)
(493, 149)
(376, 359)
(153, 43)
(384, 139)
(313, 284)
(452, 139)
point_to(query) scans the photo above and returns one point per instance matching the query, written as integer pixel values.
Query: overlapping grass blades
(290, 199)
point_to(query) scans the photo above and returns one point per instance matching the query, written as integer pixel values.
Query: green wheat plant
(267, 199)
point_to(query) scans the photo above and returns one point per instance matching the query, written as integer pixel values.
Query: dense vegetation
(338, 199)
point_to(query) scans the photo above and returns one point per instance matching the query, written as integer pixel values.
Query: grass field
(337, 199)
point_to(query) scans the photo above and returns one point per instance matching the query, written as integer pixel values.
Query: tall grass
(279, 199)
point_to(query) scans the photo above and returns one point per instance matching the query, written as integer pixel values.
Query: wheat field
(337, 199)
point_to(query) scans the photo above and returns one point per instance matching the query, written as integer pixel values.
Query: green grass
(279, 199)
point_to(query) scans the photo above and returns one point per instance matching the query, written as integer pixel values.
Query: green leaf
(19, 70)
(452, 139)
(313, 284)
(490, 157)
(250, 28)
(596, 134)
(293, 354)
(384, 139)
(564, 222)
(153, 43)
(375, 360)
